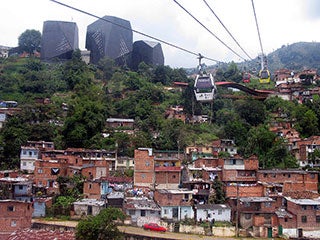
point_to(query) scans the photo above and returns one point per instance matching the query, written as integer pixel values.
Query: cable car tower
(204, 87)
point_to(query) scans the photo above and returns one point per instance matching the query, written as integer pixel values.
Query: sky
(281, 22)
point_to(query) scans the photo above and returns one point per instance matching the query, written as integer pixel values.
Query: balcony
(167, 169)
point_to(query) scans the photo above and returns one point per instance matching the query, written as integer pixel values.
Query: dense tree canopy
(29, 41)
(83, 96)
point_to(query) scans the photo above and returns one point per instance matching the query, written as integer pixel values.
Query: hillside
(296, 56)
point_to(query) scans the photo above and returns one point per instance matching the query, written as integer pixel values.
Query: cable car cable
(227, 30)
(208, 29)
(135, 31)
(255, 16)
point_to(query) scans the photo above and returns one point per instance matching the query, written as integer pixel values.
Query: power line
(135, 31)
(227, 29)
(208, 29)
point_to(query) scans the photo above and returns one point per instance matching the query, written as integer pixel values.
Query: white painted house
(28, 156)
(142, 210)
(218, 212)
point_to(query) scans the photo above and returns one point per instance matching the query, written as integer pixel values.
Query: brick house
(224, 145)
(176, 112)
(176, 204)
(144, 168)
(241, 172)
(290, 180)
(303, 150)
(305, 217)
(15, 215)
(160, 169)
(47, 172)
(18, 188)
(121, 124)
(258, 213)
(167, 167)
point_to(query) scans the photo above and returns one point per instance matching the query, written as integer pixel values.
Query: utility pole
(237, 212)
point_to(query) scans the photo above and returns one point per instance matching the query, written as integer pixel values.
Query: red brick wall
(20, 218)
(210, 162)
(258, 220)
(244, 191)
(279, 177)
(42, 172)
(91, 190)
(251, 163)
(229, 175)
(310, 214)
(234, 175)
(167, 177)
(143, 168)
(165, 199)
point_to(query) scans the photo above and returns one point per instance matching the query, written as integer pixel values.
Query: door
(175, 212)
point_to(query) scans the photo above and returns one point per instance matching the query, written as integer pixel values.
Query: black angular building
(59, 40)
(148, 52)
(111, 37)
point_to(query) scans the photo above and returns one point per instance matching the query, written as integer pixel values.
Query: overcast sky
(281, 22)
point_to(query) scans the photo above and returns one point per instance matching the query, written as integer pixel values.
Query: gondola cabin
(246, 77)
(264, 76)
(204, 88)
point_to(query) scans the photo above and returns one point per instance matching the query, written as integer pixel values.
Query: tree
(102, 226)
(252, 111)
(29, 41)
(219, 195)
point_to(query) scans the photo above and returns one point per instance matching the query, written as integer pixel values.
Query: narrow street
(141, 232)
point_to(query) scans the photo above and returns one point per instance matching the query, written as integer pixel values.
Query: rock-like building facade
(59, 40)
(109, 37)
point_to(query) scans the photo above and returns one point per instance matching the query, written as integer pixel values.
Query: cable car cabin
(204, 88)
(246, 77)
(264, 76)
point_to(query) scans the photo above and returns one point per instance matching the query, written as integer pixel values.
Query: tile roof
(36, 234)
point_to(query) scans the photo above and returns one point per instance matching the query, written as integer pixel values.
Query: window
(131, 212)
(90, 186)
(147, 163)
(304, 207)
(143, 213)
(285, 219)
(10, 208)
(219, 211)
(247, 216)
(24, 164)
(304, 219)
(20, 187)
(13, 223)
(265, 175)
(318, 219)
(40, 170)
(267, 204)
(165, 211)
